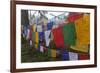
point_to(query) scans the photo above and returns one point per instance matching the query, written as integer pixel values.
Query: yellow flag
(83, 29)
(36, 39)
(34, 27)
(53, 53)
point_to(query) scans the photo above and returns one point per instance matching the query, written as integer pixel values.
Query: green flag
(33, 38)
(49, 52)
(69, 34)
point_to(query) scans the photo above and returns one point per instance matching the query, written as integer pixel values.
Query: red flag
(83, 56)
(58, 37)
(74, 16)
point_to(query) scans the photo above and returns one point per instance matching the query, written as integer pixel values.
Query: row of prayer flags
(65, 55)
(62, 36)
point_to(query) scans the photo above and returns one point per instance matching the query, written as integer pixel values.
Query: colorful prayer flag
(83, 56)
(82, 26)
(49, 25)
(41, 49)
(49, 52)
(36, 39)
(47, 38)
(58, 37)
(69, 34)
(34, 27)
(41, 36)
(39, 28)
(53, 53)
(65, 55)
(73, 56)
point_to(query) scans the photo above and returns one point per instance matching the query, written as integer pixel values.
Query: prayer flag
(49, 52)
(47, 38)
(69, 34)
(41, 49)
(49, 25)
(83, 56)
(58, 37)
(82, 26)
(73, 56)
(34, 27)
(53, 53)
(65, 55)
(36, 39)
(39, 28)
(41, 36)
